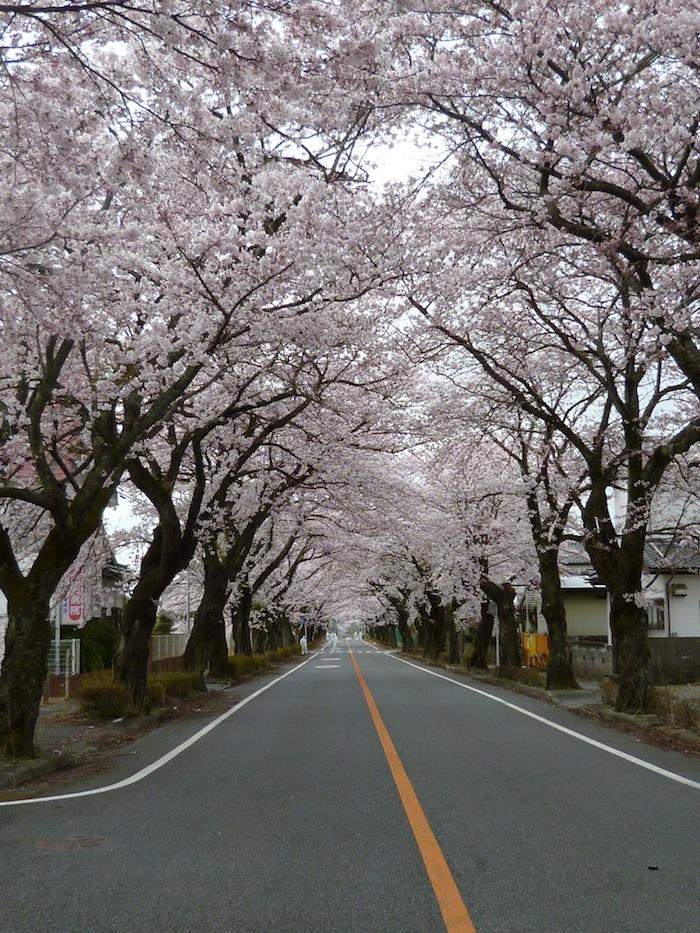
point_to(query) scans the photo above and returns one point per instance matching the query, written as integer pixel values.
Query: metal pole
(57, 638)
(498, 645)
(69, 660)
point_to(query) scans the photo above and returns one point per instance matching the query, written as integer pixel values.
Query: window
(657, 615)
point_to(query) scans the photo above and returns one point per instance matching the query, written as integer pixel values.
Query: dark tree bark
(421, 630)
(436, 628)
(630, 654)
(406, 634)
(28, 637)
(25, 663)
(241, 617)
(452, 639)
(287, 633)
(482, 638)
(206, 647)
(452, 645)
(619, 562)
(503, 595)
(560, 669)
(259, 640)
(547, 533)
(167, 555)
(131, 663)
(402, 622)
(511, 654)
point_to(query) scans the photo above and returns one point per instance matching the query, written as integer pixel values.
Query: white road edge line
(671, 775)
(163, 760)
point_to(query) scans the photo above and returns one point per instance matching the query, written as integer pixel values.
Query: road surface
(287, 816)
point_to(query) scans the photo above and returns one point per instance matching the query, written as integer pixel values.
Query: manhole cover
(73, 842)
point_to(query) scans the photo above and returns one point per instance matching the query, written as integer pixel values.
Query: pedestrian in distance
(304, 645)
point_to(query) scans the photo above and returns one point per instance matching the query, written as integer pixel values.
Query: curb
(32, 768)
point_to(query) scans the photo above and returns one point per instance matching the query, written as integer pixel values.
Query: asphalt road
(286, 817)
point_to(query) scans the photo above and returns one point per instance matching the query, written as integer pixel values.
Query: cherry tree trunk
(630, 653)
(436, 629)
(258, 640)
(482, 639)
(273, 635)
(241, 617)
(24, 669)
(131, 663)
(620, 566)
(287, 633)
(404, 628)
(206, 648)
(421, 631)
(510, 643)
(159, 568)
(560, 670)
(452, 641)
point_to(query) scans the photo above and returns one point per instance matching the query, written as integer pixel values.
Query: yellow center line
(454, 913)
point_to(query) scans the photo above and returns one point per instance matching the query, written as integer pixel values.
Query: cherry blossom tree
(146, 227)
(581, 119)
(550, 327)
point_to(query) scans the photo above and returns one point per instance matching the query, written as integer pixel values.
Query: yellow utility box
(535, 649)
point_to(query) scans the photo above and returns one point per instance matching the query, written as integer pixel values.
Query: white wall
(586, 614)
(685, 610)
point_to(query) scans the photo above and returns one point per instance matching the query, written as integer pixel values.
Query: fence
(64, 668)
(64, 657)
(168, 646)
(166, 652)
(591, 658)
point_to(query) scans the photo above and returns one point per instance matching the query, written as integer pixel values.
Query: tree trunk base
(560, 676)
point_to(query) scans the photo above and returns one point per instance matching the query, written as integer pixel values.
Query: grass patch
(675, 710)
(105, 701)
(181, 684)
(100, 698)
(287, 651)
(241, 665)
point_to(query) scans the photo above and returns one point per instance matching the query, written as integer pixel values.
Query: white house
(671, 586)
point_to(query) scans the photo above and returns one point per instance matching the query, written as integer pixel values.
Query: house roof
(660, 556)
(668, 557)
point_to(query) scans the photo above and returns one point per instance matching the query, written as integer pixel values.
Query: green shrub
(155, 694)
(286, 651)
(240, 665)
(105, 701)
(98, 678)
(164, 624)
(175, 684)
(98, 641)
(243, 664)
